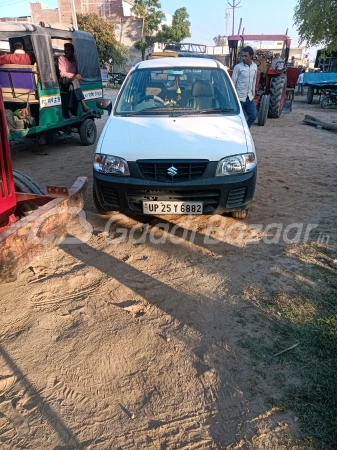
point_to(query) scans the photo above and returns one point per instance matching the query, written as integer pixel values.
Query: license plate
(172, 207)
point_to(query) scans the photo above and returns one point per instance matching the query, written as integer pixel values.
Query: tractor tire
(310, 94)
(88, 132)
(263, 111)
(278, 87)
(24, 184)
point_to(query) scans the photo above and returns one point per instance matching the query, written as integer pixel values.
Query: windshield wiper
(174, 110)
(168, 109)
(208, 111)
(216, 110)
(136, 113)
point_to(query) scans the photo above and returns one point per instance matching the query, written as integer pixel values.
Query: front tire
(278, 87)
(88, 132)
(263, 111)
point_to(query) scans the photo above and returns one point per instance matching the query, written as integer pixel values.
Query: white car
(176, 142)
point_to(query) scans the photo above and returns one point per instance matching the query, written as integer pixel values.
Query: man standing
(292, 62)
(244, 79)
(71, 79)
(19, 57)
(300, 83)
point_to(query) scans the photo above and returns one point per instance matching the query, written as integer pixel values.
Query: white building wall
(127, 6)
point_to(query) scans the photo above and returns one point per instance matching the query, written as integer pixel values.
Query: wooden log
(307, 117)
(324, 125)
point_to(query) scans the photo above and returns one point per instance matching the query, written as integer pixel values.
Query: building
(16, 19)
(128, 27)
(110, 9)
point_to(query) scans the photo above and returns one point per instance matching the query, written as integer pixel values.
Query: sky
(207, 17)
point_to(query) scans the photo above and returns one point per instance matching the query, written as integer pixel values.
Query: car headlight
(236, 164)
(111, 164)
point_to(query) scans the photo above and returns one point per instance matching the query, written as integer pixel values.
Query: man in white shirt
(244, 79)
(300, 83)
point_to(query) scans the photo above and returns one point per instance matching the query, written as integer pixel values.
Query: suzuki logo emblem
(172, 171)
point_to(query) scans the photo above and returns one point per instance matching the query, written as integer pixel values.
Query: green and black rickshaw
(33, 93)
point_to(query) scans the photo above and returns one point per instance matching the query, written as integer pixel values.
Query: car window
(159, 91)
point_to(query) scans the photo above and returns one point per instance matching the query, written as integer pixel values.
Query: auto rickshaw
(34, 102)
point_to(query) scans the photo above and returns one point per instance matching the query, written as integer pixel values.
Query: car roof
(165, 63)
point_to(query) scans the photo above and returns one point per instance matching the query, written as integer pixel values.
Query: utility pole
(226, 21)
(73, 14)
(239, 30)
(234, 5)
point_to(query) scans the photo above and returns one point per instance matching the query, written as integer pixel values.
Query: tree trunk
(310, 120)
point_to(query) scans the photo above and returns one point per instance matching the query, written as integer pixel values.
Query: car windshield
(177, 91)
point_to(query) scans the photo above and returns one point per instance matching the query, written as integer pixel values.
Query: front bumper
(218, 194)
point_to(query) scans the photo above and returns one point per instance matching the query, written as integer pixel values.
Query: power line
(73, 14)
(11, 3)
(234, 6)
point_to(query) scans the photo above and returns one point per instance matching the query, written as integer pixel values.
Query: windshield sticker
(175, 72)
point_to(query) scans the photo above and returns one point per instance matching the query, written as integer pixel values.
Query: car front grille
(110, 196)
(236, 197)
(209, 197)
(184, 171)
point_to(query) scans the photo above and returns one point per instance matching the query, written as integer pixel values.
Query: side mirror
(103, 103)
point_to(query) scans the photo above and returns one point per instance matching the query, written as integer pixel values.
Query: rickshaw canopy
(41, 39)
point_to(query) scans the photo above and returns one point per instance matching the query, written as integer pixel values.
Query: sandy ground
(136, 345)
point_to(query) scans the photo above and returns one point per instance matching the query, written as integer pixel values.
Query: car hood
(197, 137)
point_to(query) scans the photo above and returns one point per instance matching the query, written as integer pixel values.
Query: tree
(110, 51)
(219, 41)
(317, 22)
(179, 30)
(151, 14)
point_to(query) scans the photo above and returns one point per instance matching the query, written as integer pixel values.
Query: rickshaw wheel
(88, 132)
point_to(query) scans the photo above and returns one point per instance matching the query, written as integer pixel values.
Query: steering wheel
(151, 97)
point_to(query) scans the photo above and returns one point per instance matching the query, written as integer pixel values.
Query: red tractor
(29, 220)
(274, 77)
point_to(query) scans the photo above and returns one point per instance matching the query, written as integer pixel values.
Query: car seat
(202, 96)
(157, 89)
